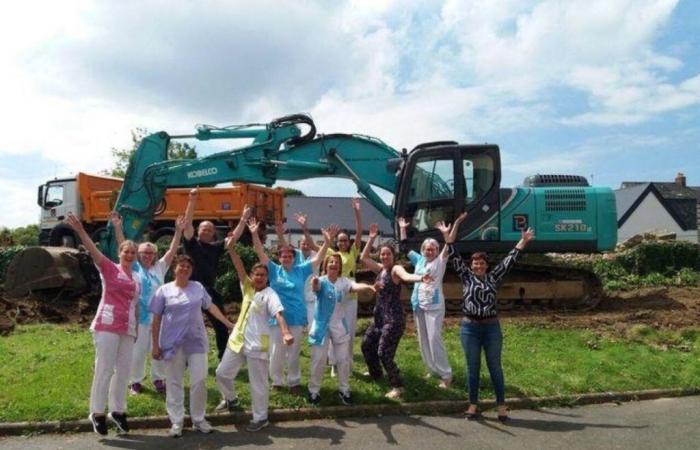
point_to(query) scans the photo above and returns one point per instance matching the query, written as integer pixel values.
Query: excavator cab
(441, 180)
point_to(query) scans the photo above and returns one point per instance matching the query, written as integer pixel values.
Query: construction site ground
(660, 308)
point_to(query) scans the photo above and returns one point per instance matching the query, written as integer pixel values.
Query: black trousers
(220, 329)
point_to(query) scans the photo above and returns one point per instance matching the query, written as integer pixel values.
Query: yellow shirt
(349, 259)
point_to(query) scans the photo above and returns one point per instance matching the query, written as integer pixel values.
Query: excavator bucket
(42, 270)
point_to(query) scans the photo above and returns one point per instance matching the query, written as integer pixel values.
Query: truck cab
(56, 198)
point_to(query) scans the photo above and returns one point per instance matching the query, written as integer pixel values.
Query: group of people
(312, 288)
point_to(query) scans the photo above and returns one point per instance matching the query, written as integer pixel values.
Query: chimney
(680, 179)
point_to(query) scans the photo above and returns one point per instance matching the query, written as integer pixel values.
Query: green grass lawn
(46, 370)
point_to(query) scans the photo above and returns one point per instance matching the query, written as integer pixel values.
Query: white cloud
(76, 79)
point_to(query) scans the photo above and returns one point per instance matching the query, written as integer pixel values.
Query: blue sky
(609, 89)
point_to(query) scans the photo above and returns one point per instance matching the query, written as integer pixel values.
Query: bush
(662, 257)
(6, 255)
(650, 264)
(227, 282)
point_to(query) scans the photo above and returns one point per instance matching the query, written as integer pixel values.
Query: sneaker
(314, 399)
(175, 430)
(295, 390)
(228, 405)
(99, 424)
(346, 398)
(445, 383)
(119, 420)
(394, 393)
(160, 386)
(202, 426)
(257, 425)
(135, 388)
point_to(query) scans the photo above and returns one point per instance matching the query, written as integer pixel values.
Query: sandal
(503, 414)
(473, 415)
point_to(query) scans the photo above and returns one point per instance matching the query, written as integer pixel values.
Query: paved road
(654, 424)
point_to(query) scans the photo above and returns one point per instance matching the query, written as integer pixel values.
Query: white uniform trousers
(258, 375)
(175, 390)
(350, 314)
(432, 349)
(318, 363)
(310, 307)
(282, 354)
(112, 361)
(142, 352)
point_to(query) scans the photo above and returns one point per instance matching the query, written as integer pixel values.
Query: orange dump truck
(92, 198)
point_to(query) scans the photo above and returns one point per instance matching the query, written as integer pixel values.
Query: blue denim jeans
(474, 337)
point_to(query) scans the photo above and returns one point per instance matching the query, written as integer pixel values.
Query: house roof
(679, 201)
(323, 211)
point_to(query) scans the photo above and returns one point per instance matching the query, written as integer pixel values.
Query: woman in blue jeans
(480, 326)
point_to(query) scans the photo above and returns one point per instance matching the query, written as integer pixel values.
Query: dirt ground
(660, 308)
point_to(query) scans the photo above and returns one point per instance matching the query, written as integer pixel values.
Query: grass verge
(46, 370)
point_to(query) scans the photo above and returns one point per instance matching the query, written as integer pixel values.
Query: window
(54, 195)
(478, 177)
(431, 195)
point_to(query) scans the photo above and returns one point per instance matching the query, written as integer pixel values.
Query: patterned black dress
(382, 337)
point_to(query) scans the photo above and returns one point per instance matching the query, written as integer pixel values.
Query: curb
(444, 407)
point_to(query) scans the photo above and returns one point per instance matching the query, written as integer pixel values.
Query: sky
(608, 89)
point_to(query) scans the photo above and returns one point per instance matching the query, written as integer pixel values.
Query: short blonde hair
(128, 243)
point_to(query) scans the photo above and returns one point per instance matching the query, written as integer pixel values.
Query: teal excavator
(434, 181)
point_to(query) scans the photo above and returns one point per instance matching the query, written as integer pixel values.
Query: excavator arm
(278, 151)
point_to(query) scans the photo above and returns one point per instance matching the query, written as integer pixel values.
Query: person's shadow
(551, 426)
(385, 424)
(221, 439)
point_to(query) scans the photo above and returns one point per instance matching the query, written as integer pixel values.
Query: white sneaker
(175, 430)
(394, 393)
(202, 427)
(445, 383)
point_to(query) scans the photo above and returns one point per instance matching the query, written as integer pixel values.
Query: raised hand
(180, 223)
(373, 230)
(301, 220)
(356, 203)
(74, 222)
(460, 218)
(247, 212)
(194, 193)
(116, 219)
(403, 223)
(330, 233)
(442, 227)
(527, 235)
(253, 225)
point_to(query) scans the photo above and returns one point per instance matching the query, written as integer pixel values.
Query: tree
(122, 156)
(28, 235)
(291, 192)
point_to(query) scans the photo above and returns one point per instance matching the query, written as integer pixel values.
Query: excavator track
(528, 286)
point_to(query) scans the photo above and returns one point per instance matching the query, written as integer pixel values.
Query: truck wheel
(63, 236)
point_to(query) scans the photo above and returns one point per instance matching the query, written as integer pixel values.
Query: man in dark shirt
(205, 250)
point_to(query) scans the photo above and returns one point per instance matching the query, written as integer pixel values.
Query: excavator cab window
(478, 172)
(432, 192)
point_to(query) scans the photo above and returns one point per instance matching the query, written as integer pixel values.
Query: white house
(658, 206)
